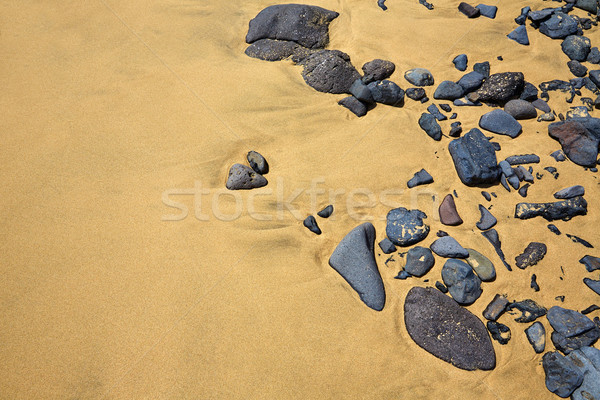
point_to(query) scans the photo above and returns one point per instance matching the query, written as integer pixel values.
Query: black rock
(257, 162)
(591, 263)
(419, 261)
(446, 107)
(577, 68)
(277, 50)
(354, 260)
(520, 109)
(487, 220)
(523, 159)
(326, 212)
(415, 93)
(474, 158)
(463, 284)
(590, 309)
(353, 104)
(460, 62)
(576, 239)
(595, 77)
(530, 310)
(429, 124)
(468, 10)
(562, 376)
(387, 92)
(554, 229)
(529, 93)
(419, 77)
(570, 192)
(406, 227)
(594, 56)
(420, 178)
(387, 246)
(243, 177)
(500, 88)
(303, 24)
(448, 331)
(559, 26)
(471, 81)
(523, 174)
(496, 308)
(329, 71)
(569, 344)
(534, 285)
(402, 275)
(361, 91)
(523, 190)
(433, 110)
(565, 209)
(377, 70)
(448, 90)
(486, 195)
(540, 15)
(494, 239)
(522, 18)
(311, 223)
(536, 335)
(381, 4)
(533, 254)
(576, 47)
(441, 287)
(569, 323)
(501, 122)
(592, 284)
(483, 68)
(519, 35)
(500, 332)
(455, 129)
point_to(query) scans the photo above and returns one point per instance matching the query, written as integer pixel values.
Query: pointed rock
(487, 220)
(474, 158)
(494, 239)
(243, 177)
(448, 213)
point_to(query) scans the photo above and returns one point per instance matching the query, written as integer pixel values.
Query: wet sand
(108, 106)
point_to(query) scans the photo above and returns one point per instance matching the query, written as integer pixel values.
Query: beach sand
(109, 106)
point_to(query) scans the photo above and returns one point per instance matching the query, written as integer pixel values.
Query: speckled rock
(329, 71)
(500, 88)
(474, 158)
(419, 77)
(406, 227)
(533, 254)
(387, 92)
(277, 50)
(257, 162)
(576, 47)
(564, 209)
(377, 70)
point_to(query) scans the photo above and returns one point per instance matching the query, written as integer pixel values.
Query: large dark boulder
(500, 88)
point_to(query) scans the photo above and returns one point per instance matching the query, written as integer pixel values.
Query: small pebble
(311, 223)
(326, 212)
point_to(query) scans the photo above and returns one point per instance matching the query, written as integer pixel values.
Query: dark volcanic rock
(487, 11)
(419, 77)
(519, 35)
(496, 308)
(276, 50)
(487, 220)
(501, 122)
(520, 109)
(429, 124)
(559, 25)
(303, 24)
(447, 246)
(243, 177)
(354, 259)
(257, 162)
(530, 310)
(434, 110)
(455, 129)
(569, 344)
(529, 93)
(591, 263)
(387, 92)
(536, 335)
(577, 68)
(587, 360)
(406, 227)
(565, 209)
(594, 56)
(377, 70)
(468, 10)
(463, 284)
(448, 213)
(448, 331)
(420, 178)
(500, 332)
(483, 68)
(474, 158)
(569, 323)
(415, 93)
(329, 71)
(533, 254)
(578, 143)
(326, 212)
(353, 104)
(492, 236)
(419, 261)
(500, 88)
(562, 376)
(587, 5)
(576, 47)
(361, 91)
(448, 90)
(311, 223)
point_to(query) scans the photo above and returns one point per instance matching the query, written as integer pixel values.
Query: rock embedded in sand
(530, 310)
(387, 246)
(501, 122)
(519, 35)
(434, 110)
(474, 158)
(277, 50)
(429, 124)
(448, 213)
(304, 24)
(354, 260)
(570, 192)
(529, 93)
(448, 247)
(468, 10)
(483, 68)
(455, 129)
(460, 62)
(594, 56)
(353, 104)
(492, 236)
(562, 376)
(487, 220)
(387, 92)
(536, 335)
(257, 162)
(559, 26)
(496, 308)
(487, 11)
(329, 71)
(377, 70)
(578, 143)
(523, 159)
(533, 253)
(576, 47)
(448, 90)
(406, 227)
(500, 88)
(520, 109)
(500, 332)
(482, 266)
(419, 77)
(448, 331)
(592, 284)
(243, 177)
(311, 223)
(419, 261)
(422, 177)
(565, 209)
(591, 263)
(463, 285)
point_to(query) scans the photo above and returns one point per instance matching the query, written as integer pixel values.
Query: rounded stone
(257, 162)
(406, 227)
(464, 286)
(576, 47)
(419, 77)
(520, 109)
(482, 265)
(419, 261)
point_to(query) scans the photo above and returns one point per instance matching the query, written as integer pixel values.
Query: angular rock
(565, 209)
(429, 124)
(519, 35)
(494, 239)
(591, 263)
(387, 246)
(541, 105)
(420, 178)
(569, 344)
(306, 25)
(576, 47)
(455, 129)
(377, 70)
(562, 376)
(311, 223)
(387, 92)
(570, 192)
(559, 26)
(500, 88)
(406, 227)
(448, 331)
(471, 81)
(353, 104)
(433, 110)
(464, 286)
(326, 212)
(447, 246)
(354, 260)
(257, 162)
(520, 109)
(536, 335)
(501, 122)
(460, 62)
(567, 322)
(487, 220)
(329, 71)
(592, 284)
(487, 11)
(529, 93)
(419, 77)
(483, 68)
(243, 177)
(482, 266)
(448, 90)
(448, 213)
(594, 56)
(419, 261)
(500, 332)
(496, 308)
(474, 158)
(530, 310)
(533, 253)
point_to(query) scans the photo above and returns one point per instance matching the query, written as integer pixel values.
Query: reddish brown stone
(577, 142)
(448, 214)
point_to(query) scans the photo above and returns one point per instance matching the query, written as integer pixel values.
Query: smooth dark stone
(441, 287)
(529, 93)
(406, 227)
(448, 247)
(466, 102)
(496, 308)
(474, 158)
(541, 105)
(387, 92)
(311, 223)
(590, 6)
(530, 310)
(523, 159)
(536, 335)
(577, 68)
(242, 177)
(468, 10)
(590, 309)
(455, 129)
(420, 178)
(567, 322)
(276, 50)
(381, 4)
(354, 260)
(486, 195)
(534, 285)
(415, 93)
(554, 229)
(419, 261)
(576, 47)
(592, 284)
(429, 124)
(487, 220)
(523, 190)
(387, 246)
(448, 331)
(329, 71)
(492, 236)
(446, 107)
(487, 11)
(520, 109)
(483, 68)
(570, 192)
(500, 88)
(460, 62)
(427, 5)
(462, 283)
(433, 110)
(353, 104)
(500, 332)
(591, 263)
(519, 35)
(419, 77)
(448, 90)
(559, 26)
(533, 253)
(326, 212)
(501, 122)
(448, 213)
(471, 81)
(361, 91)
(257, 162)
(377, 70)
(565, 209)
(303, 24)
(562, 376)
